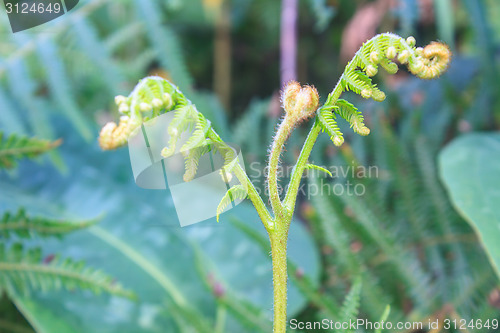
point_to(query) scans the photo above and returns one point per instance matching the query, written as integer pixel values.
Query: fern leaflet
(23, 226)
(350, 307)
(24, 271)
(317, 167)
(13, 148)
(329, 125)
(234, 193)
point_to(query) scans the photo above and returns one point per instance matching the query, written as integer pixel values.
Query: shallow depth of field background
(407, 236)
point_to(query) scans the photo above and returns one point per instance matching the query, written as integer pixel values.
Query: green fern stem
(279, 238)
(253, 195)
(280, 138)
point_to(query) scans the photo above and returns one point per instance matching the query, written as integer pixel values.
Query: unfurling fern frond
(234, 193)
(22, 225)
(381, 50)
(151, 97)
(317, 167)
(350, 307)
(426, 63)
(13, 148)
(22, 271)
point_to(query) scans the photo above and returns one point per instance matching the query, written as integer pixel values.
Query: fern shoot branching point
(154, 96)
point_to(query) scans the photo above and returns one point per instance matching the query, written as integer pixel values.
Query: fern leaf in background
(350, 307)
(24, 226)
(13, 148)
(22, 271)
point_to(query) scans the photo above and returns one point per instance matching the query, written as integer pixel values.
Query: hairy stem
(298, 170)
(278, 251)
(272, 177)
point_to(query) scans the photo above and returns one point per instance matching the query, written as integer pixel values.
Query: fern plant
(13, 148)
(25, 269)
(154, 95)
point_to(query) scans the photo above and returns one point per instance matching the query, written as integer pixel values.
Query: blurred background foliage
(403, 238)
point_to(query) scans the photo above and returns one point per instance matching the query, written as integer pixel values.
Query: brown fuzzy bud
(299, 102)
(289, 95)
(307, 101)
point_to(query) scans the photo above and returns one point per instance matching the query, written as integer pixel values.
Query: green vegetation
(420, 237)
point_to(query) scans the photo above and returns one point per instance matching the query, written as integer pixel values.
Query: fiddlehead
(380, 51)
(151, 97)
(154, 96)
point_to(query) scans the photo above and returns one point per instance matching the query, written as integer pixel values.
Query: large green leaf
(470, 169)
(139, 242)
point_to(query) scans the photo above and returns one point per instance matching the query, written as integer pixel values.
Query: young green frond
(22, 271)
(13, 148)
(381, 50)
(151, 97)
(234, 193)
(427, 63)
(22, 225)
